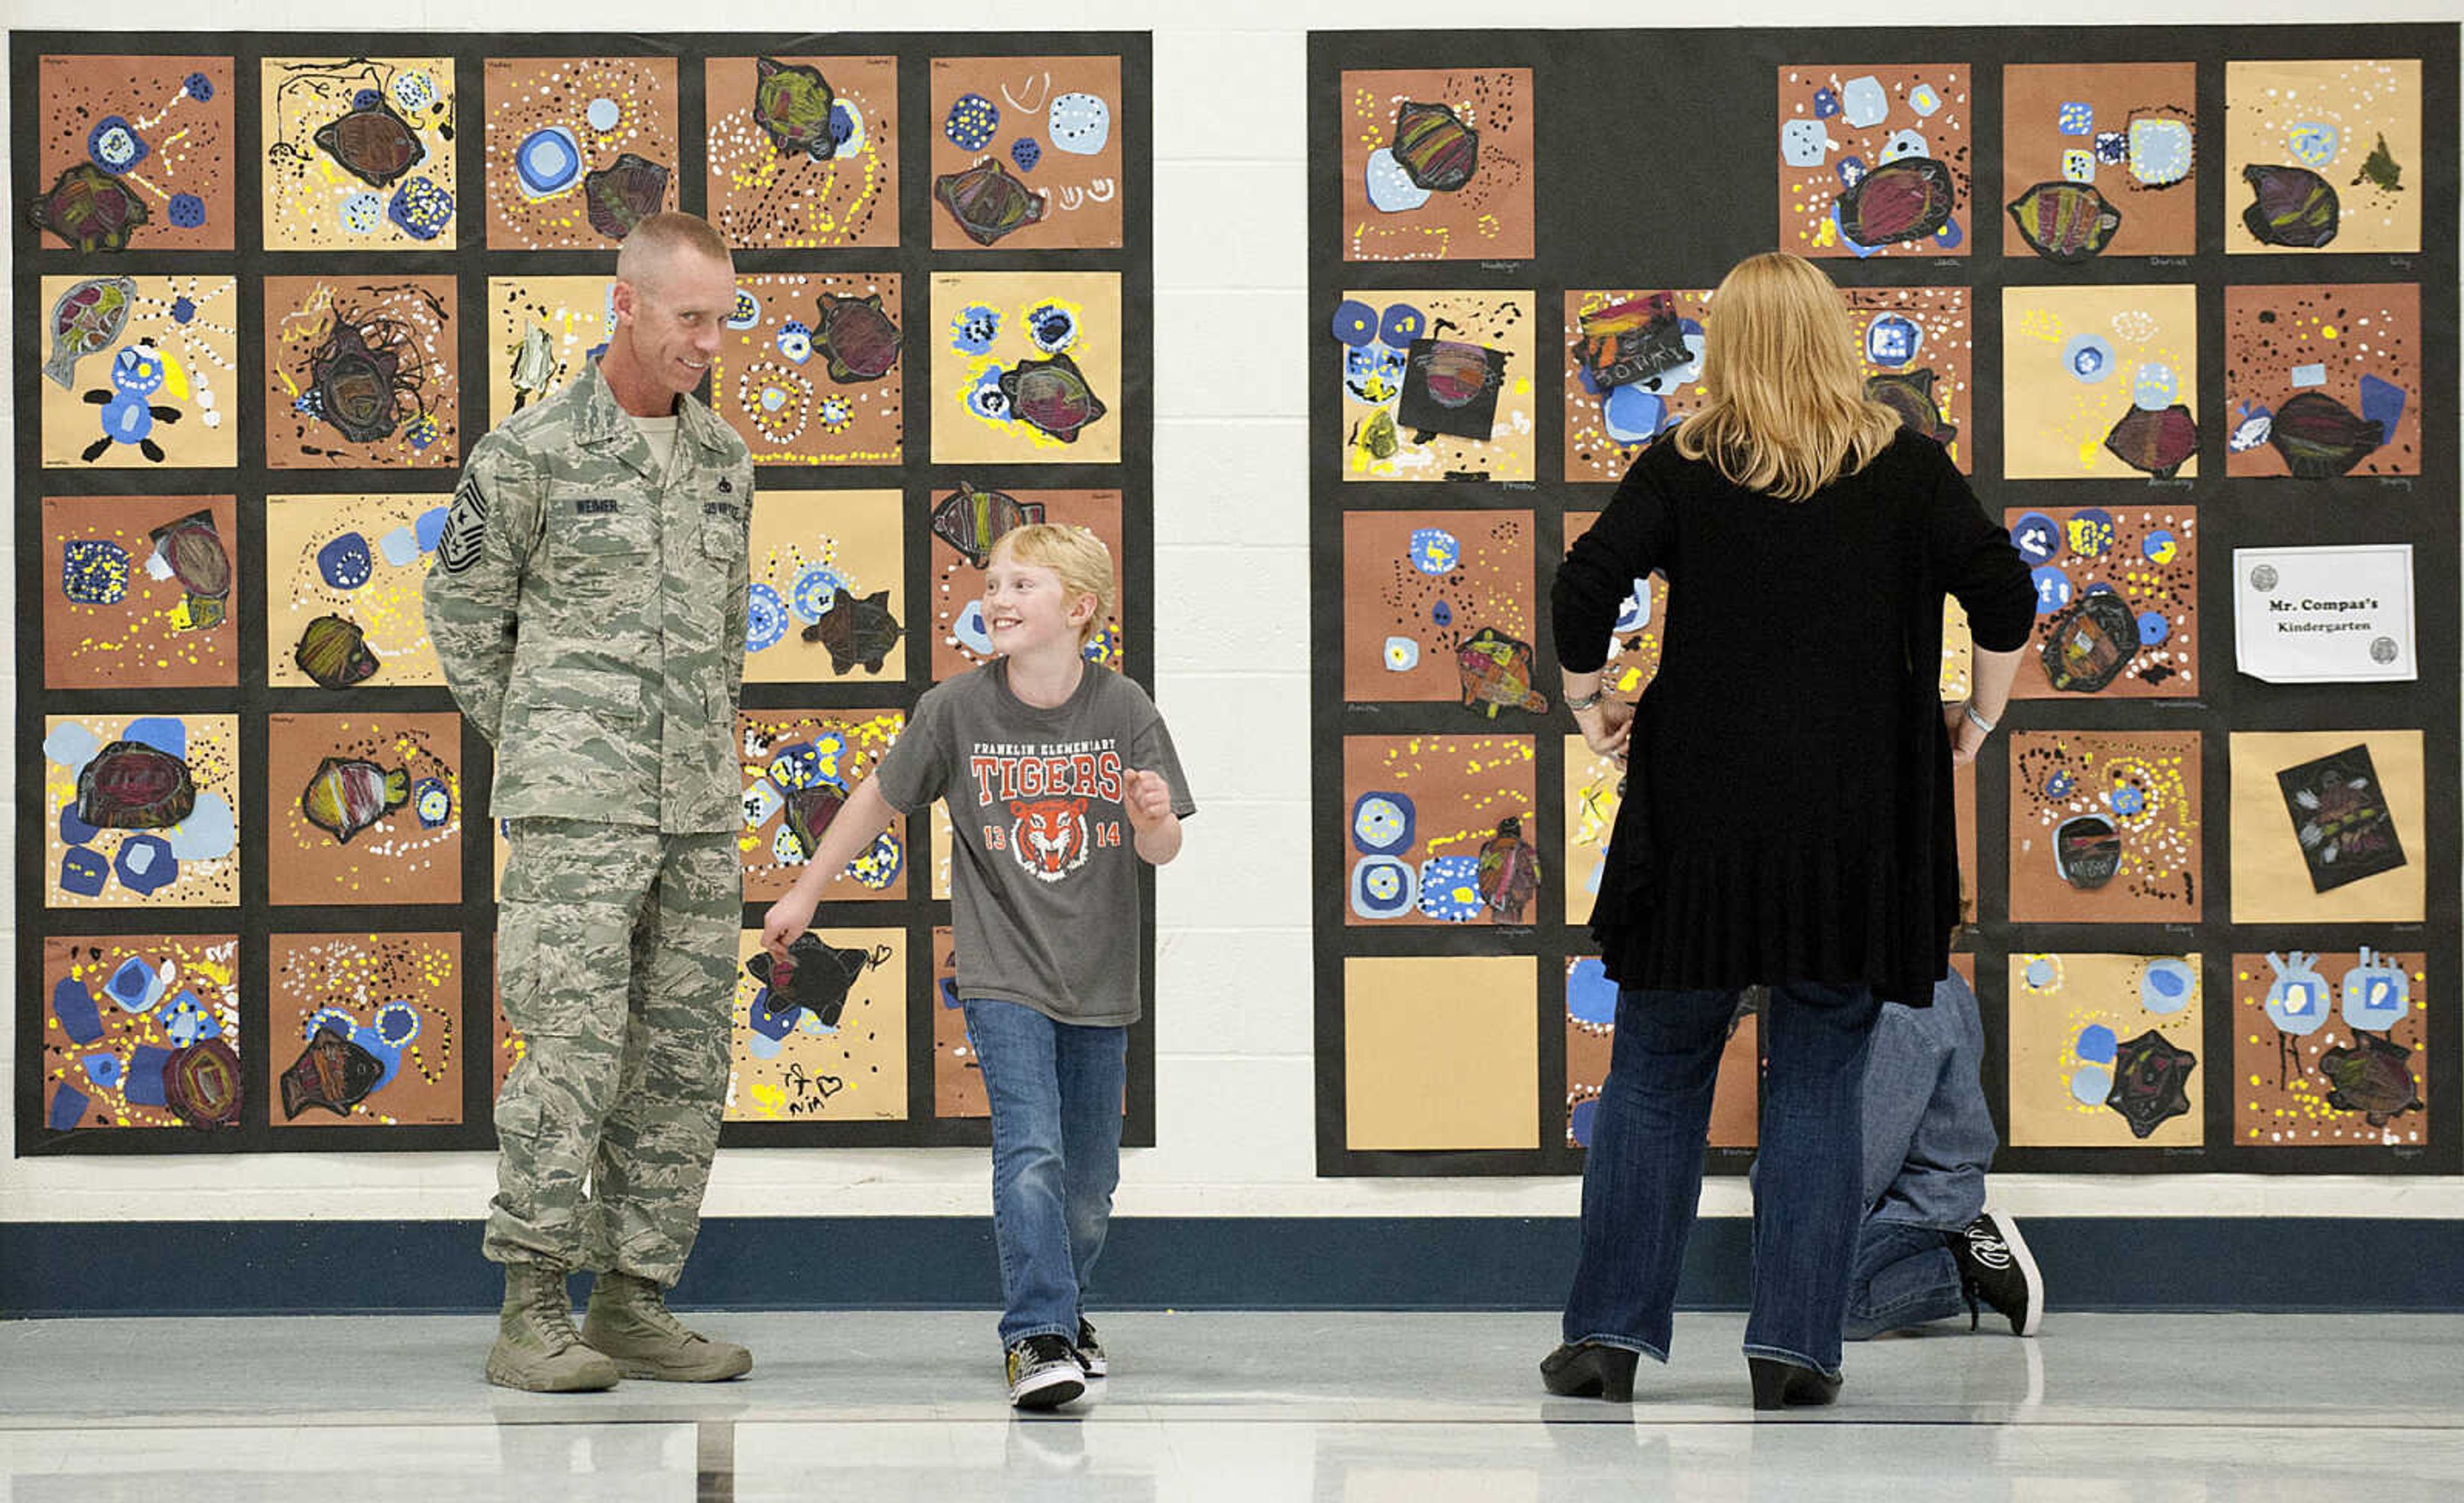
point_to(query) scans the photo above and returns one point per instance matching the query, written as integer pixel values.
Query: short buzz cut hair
(1074, 555)
(662, 235)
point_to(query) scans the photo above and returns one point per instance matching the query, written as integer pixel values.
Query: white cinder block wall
(1234, 1081)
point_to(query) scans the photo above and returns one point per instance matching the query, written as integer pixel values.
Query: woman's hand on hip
(1606, 728)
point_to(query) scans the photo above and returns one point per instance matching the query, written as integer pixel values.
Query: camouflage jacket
(590, 619)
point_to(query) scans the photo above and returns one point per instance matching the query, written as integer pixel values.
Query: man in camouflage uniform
(588, 606)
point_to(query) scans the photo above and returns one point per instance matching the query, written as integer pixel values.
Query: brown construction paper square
(2054, 999)
(318, 326)
(2336, 1086)
(1441, 1053)
(204, 966)
(1487, 218)
(856, 1072)
(635, 98)
(2271, 882)
(362, 983)
(1809, 195)
(1403, 571)
(983, 107)
(179, 106)
(2156, 219)
(2146, 786)
(2148, 557)
(159, 632)
(387, 607)
(397, 857)
(772, 379)
(762, 195)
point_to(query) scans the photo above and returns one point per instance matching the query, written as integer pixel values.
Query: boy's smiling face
(1029, 612)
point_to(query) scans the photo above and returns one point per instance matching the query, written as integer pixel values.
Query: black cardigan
(1788, 808)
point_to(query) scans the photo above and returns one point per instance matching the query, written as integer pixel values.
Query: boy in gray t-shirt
(1059, 778)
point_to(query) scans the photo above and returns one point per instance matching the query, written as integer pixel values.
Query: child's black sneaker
(1091, 1354)
(1044, 1373)
(1995, 1266)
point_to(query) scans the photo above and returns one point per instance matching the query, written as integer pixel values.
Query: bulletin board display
(2162, 294)
(275, 286)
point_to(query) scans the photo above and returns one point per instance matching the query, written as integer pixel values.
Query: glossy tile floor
(1417, 1409)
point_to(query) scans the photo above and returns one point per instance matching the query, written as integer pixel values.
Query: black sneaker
(1044, 1373)
(1994, 1266)
(1091, 1354)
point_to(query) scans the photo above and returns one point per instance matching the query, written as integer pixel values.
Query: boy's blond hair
(1075, 555)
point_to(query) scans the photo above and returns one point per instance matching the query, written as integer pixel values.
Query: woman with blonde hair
(1787, 816)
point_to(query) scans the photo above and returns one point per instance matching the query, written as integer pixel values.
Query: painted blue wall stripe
(1360, 1263)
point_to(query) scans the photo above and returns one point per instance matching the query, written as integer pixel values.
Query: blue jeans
(1928, 1139)
(1644, 1173)
(1056, 1101)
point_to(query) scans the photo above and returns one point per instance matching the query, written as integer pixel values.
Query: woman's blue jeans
(1644, 1173)
(1056, 1100)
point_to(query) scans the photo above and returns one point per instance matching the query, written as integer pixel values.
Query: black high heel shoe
(1590, 1371)
(1779, 1385)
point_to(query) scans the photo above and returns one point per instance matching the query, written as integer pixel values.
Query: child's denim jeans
(1056, 1102)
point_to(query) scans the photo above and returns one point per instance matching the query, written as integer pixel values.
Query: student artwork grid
(2032, 366)
(153, 582)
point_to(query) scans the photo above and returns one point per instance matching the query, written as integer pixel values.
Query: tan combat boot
(629, 1320)
(537, 1347)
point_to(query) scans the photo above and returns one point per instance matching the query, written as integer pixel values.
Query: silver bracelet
(1586, 701)
(1969, 710)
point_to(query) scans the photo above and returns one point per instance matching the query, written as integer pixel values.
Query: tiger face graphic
(1049, 836)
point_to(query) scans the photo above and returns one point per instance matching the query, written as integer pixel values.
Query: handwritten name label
(2394, 482)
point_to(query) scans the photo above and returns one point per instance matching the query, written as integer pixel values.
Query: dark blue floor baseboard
(2271, 1264)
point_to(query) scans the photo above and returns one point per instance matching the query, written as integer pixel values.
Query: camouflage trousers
(616, 950)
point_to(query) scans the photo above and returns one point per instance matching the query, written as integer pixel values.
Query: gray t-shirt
(1044, 870)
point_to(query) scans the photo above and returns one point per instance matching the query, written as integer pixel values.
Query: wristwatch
(1585, 702)
(1969, 710)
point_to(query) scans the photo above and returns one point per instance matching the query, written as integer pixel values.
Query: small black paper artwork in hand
(2341, 816)
(1450, 388)
(815, 977)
